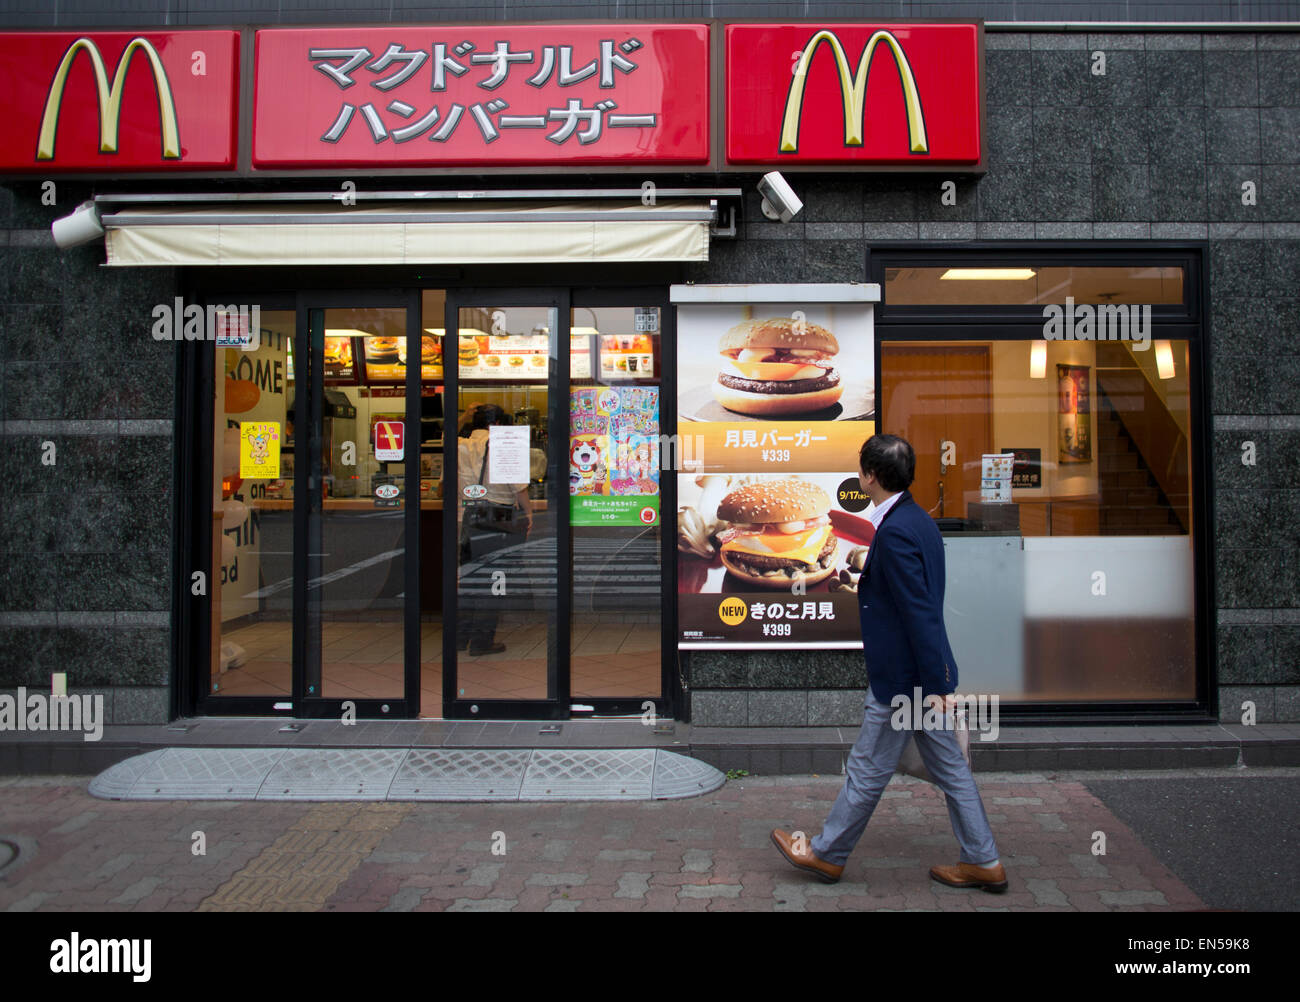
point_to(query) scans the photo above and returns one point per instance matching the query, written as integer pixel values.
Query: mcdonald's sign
(119, 101)
(892, 95)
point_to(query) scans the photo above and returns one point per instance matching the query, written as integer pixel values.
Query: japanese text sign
(478, 96)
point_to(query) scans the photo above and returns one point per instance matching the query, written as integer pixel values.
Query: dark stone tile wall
(85, 540)
(1157, 149)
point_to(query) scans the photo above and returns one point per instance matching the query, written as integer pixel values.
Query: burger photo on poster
(775, 362)
(381, 349)
(777, 366)
(747, 532)
(780, 533)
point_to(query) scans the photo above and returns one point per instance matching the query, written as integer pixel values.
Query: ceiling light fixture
(989, 274)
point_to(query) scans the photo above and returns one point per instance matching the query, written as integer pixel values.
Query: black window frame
(1187, 321)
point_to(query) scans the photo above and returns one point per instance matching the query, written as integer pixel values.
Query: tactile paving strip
(450, 774)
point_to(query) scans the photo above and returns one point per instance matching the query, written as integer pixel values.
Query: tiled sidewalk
(705, 853)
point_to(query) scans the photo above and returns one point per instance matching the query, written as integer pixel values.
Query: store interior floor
(363, 660)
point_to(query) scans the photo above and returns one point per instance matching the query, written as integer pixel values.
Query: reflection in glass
(614, 486)
(506, 530)
(1028, 616)
(356, 524)
(252, 515)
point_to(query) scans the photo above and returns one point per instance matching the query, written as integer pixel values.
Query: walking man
(900, 594)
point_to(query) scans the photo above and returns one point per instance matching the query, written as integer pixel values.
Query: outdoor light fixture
(1165, 359)
(1038, 360)
(780, 203)
(989, 274)
(81, 227)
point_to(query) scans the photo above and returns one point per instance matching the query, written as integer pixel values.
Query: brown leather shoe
(969, 875)
(807, 860)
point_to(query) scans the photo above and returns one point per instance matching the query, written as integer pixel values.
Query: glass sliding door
(251, 608)
(615, 402)
(506, 540)
(351, 430)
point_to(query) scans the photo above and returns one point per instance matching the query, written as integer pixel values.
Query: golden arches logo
(110, 98)
(853, 91)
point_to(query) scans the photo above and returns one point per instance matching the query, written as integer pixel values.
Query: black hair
(490, 414)
(891, 459)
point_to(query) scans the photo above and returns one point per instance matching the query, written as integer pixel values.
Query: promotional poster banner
(774, 403)
(614, 455)
(119, 101)
(468, 95)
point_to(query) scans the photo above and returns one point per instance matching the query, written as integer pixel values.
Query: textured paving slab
(579, 774)
(402, 774)
(333, 774)
(468, 774)
(203, 774)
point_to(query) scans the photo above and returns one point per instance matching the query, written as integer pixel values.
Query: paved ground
(706, 853)
(1234, 840)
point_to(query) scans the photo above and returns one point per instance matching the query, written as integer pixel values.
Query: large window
(1082, 585)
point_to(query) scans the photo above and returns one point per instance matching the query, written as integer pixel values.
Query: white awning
(477, 233)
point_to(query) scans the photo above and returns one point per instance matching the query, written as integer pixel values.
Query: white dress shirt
(878, 511)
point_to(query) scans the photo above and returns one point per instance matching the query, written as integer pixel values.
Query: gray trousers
(872, 762)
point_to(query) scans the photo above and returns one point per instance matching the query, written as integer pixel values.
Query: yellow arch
(109, 98)
(853, 91)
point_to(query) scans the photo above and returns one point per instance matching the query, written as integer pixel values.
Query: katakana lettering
(442, 63)
(481, 112)
(572, 115)
(396, 54)
(501, 58)
(368, 112)
(339, 74)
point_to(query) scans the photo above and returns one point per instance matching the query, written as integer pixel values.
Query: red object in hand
(851, 527)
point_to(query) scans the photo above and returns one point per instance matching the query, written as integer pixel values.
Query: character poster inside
(614, 455)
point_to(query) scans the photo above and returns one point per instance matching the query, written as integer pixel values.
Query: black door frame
(194, 487)
(556, 704)
(309, 348)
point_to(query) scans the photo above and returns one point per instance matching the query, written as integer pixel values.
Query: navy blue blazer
(900, 595)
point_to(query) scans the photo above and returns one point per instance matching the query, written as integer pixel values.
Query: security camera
(81, 227)
(779, 200)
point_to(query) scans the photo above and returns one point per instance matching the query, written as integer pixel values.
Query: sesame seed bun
(775, 501)
(779, 332)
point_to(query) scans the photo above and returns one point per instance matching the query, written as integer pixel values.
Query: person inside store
(501, 518)
(905, 644)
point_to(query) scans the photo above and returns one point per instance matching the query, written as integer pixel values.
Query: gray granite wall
(86, 539)
(1157, 149)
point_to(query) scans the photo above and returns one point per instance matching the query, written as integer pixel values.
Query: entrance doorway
(474, 535)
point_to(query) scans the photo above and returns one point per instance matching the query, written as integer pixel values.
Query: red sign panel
(388, 440)
(499, 95)
(119, 100)
(906, 94)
